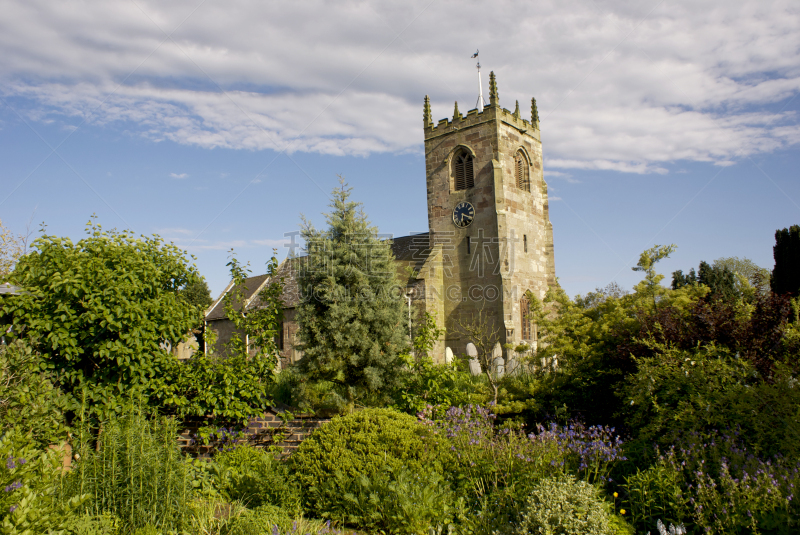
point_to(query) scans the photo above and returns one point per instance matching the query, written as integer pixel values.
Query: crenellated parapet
(492, 112)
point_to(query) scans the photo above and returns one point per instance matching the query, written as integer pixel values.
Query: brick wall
(262, 432)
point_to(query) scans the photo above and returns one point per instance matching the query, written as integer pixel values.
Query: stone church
(490, 242)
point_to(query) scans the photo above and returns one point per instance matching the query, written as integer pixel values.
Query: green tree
(720, 280)
(786, 274)
(746, 272)
(651, 285)
(198, 294)
(351, 321)
(101, 311)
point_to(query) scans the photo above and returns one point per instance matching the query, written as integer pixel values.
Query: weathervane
(480, 84)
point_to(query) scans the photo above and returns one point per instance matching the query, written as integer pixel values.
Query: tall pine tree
(351, 319)
(786, 275)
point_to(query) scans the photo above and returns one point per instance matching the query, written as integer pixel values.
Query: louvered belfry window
(464, 175)
(521, 172)
(525, 316)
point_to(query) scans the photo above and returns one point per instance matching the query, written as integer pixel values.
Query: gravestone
(474, 364)
(448, 356)
(497, 359)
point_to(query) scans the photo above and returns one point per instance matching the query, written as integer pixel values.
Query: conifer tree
(351, 318)
(786, 275)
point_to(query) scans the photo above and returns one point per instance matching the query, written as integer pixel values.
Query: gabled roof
(252, 285)
(409, 250)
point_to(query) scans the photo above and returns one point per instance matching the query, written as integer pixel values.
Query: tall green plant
(352, 329)
(135, 471)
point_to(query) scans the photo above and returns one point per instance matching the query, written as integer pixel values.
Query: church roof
(409, 250)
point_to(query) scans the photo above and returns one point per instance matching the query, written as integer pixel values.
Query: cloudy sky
(216, 124)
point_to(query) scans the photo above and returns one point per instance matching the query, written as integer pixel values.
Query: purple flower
(10, 463)
(12, 508)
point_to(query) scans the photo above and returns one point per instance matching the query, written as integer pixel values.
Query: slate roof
(411, 248)
(251, 286)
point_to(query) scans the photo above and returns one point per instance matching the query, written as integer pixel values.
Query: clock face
(463, 214)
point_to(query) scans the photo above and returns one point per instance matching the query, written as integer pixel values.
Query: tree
(746, 272)
(651, 285)
(101, 311)
(351, 319)
(198, 294)
(720, 280)
(11, 248)
(786, 274)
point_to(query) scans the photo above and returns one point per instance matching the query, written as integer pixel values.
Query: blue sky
(217, 125)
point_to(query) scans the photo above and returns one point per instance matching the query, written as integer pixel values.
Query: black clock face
(463, 214)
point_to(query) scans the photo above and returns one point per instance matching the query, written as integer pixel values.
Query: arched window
(462, 170)
(525, 317)
(521, 171)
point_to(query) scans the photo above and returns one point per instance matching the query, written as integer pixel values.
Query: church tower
(488, 216)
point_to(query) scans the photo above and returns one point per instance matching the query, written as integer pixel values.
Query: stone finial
(534, 113)
(516, 111)
(456, 113)
(426, 112)
(494, 100)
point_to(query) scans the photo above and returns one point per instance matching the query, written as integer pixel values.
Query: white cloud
(618, 87)
(178, 176)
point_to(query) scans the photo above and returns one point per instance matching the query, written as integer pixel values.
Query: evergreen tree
(719, 279)
(786, 275)
(351, 319)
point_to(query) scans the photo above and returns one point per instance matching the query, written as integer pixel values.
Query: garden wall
(277, 427)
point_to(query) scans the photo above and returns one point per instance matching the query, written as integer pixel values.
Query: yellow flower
(616, 495)
(622, 511)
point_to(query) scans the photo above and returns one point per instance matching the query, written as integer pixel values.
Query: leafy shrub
(362, 444)
(29, 401)
(30, 480)
(105, 524)
(392, 500)
(270, 519)
(136, 472)
(564, 506)
(255, 477)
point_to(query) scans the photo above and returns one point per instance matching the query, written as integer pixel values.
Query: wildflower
(12, 508)
(622, 511)
(616, 495)
(10, 463)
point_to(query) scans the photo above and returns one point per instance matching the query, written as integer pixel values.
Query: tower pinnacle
(534, 114)
(494, 100)
(426, 112)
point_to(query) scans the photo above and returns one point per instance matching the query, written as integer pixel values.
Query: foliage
(254, 477)
(493, 470)
(102, 310)
(92, 525)
(30, 479)
(29, 402)
(351, 327)
(680, 391)
(135, 472)
(651, 285)
(233, 387)
(716, 484)
(720, 280)
(362, 443)
(426, 336)
(256, 326)
(564, 506)
(274, 520)
(786, 274)
(747, 273)
(391, 500)
(12, 248)
(198, 294)
(425, 383)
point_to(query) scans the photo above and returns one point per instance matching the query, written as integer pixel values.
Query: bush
(391, 501)
(564, 506)
(30, 479)
(28, 400)
(255, 477)
(136, 472)
(362, 444)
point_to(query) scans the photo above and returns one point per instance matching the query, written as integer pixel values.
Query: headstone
(448, 356)
(497, 359)
(474, 364)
